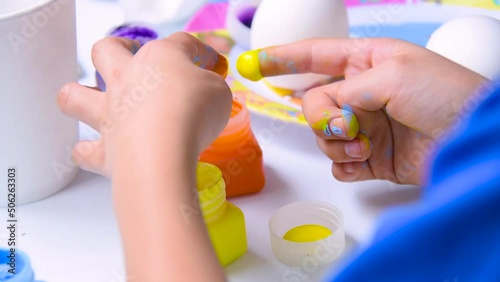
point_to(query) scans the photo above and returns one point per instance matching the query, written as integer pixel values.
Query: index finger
(202, 55)
(329, 56)
(112, 53)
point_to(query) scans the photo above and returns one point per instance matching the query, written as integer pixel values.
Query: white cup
(37, 57)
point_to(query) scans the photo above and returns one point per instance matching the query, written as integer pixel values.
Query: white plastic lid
(318, 252)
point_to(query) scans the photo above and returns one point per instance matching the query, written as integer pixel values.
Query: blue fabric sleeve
(453, 233)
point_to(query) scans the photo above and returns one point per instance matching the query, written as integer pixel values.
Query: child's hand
(384, 120)
(161, 108)
(164, 95)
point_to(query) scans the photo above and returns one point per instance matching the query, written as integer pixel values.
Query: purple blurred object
(246, 16)
(100, 82)
(137, 32)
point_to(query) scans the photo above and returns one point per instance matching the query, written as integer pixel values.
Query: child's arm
(162, 227)
(159, 111)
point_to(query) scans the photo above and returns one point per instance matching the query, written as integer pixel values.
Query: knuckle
(308, 105)
(100, 46)
(397, 65)
(310, 101)
(342, 94)
(156, 47)
(313, 93)
(115, 75)
(181, 37)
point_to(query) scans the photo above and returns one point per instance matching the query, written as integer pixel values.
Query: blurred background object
(160, 11)
(472, 41)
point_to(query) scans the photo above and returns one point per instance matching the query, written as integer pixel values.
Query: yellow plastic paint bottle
(225, 222)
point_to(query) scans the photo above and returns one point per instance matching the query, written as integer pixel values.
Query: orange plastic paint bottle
(237, 154)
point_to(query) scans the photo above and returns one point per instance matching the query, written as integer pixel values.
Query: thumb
(327, 118)
(369, 91)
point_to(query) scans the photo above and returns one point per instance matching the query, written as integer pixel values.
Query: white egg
(472, 41)
(279, 22)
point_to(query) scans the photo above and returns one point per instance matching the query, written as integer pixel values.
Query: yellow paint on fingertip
(307, 233)
(352, 124)
(322, 124)
(248, 65)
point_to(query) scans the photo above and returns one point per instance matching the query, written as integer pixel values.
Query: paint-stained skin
(264, 57)
(248, 64)
(322, 124)
(349, 120)
(220, 64)
(337, 130)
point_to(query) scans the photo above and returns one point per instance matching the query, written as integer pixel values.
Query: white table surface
(72, 236)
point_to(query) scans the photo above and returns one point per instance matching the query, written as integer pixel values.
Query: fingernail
(351, 123)
(210, 56)
(365, 141)
(64, 91)
(221, 67)
(248, 65)
(336, 127)
(212, 60)
(348, 168)
(322, 124)
(353, 149)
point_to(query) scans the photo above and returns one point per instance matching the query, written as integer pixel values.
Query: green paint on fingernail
(322, 124)
(351, 122)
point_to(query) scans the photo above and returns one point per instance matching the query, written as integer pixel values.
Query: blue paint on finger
(327, 131)
(337, 130)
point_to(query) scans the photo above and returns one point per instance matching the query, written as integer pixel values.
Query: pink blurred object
(210, 17)
(370, 2)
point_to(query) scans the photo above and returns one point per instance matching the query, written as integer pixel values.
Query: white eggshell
(279, 22)
(472, 41)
